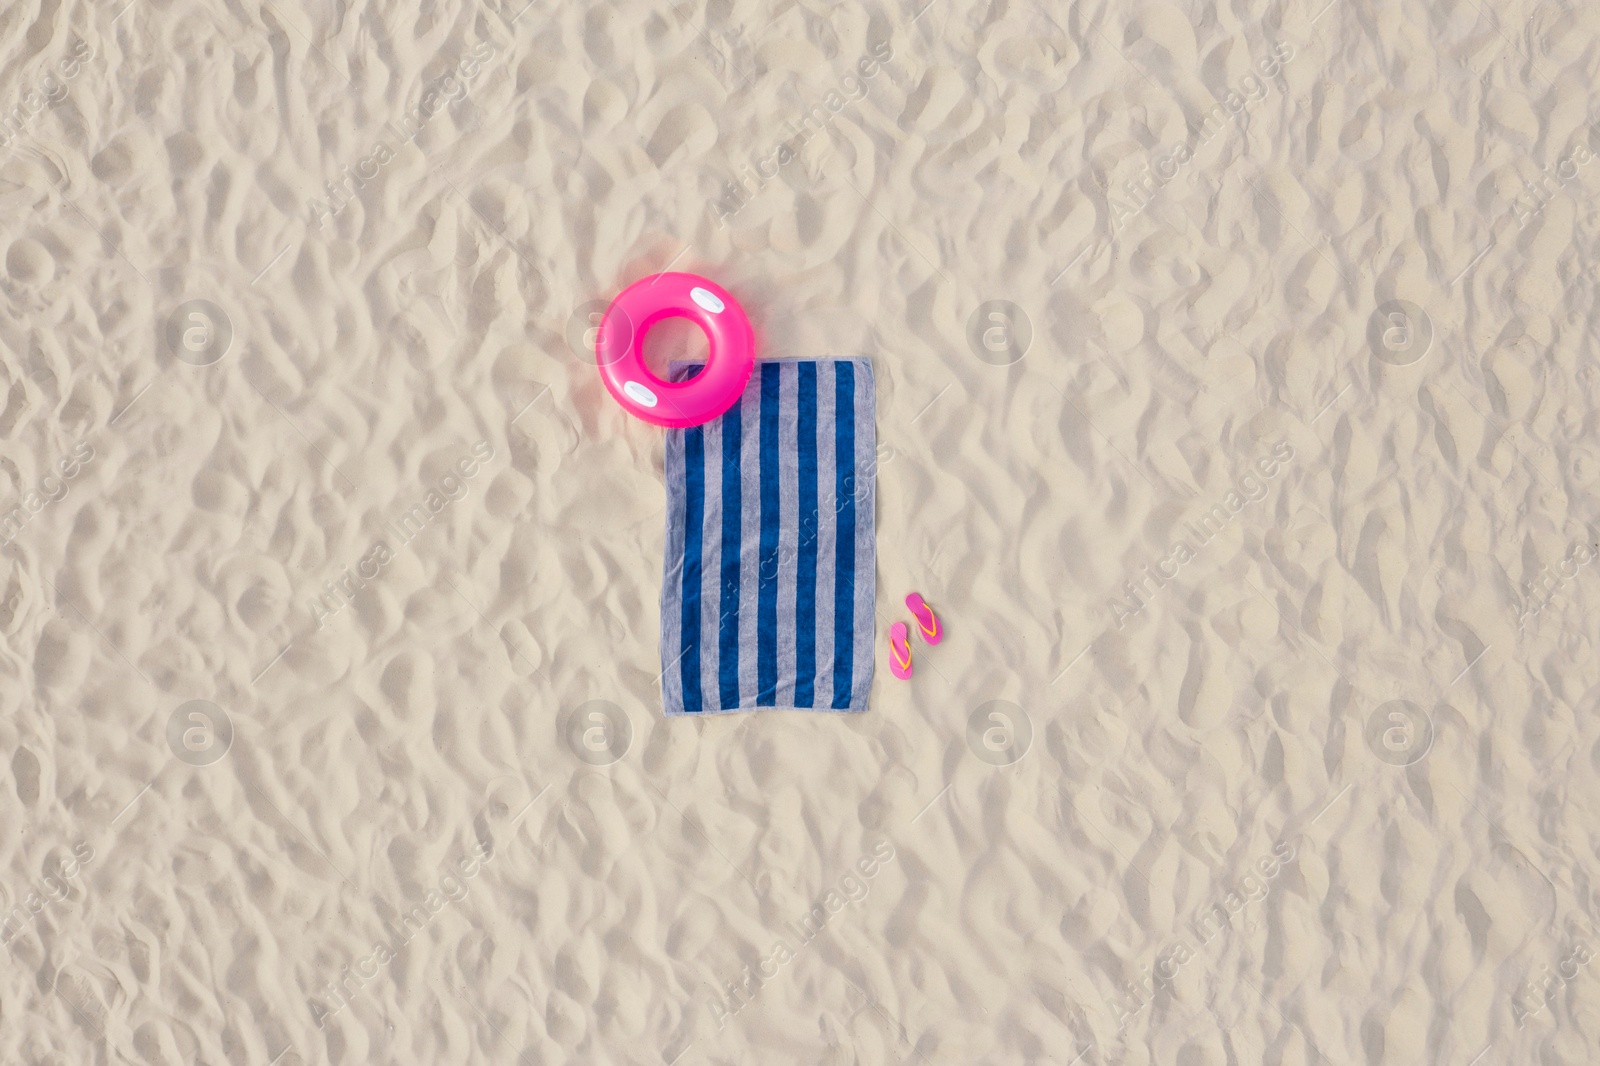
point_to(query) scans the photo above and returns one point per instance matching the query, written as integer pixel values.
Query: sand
(1237, 404)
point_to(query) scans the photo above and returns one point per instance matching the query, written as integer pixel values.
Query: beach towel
(767, 593)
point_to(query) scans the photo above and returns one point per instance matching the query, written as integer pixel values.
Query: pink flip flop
(927, 621)
(900, 651)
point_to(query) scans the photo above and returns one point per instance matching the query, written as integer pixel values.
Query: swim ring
(619, 349)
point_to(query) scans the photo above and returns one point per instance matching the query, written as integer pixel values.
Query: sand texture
(1236, 407)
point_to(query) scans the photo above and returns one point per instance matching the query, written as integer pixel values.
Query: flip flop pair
(900, 636)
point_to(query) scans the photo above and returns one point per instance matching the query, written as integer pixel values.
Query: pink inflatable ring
(619, 350)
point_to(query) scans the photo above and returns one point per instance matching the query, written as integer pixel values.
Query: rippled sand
(1237, 397)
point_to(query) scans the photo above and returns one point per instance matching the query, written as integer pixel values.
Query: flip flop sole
(900, 661)
(927, 621)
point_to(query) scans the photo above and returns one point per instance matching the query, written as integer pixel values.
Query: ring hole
(674, 338)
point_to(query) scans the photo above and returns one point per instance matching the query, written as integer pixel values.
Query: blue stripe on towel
(767, 591)
(694, 495)
(844, 589)
(763, 504)
(805, 586)
(728, 612)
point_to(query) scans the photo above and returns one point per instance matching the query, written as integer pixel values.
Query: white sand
(1318, 786)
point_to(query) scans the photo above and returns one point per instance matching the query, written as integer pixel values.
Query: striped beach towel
(767, 599)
